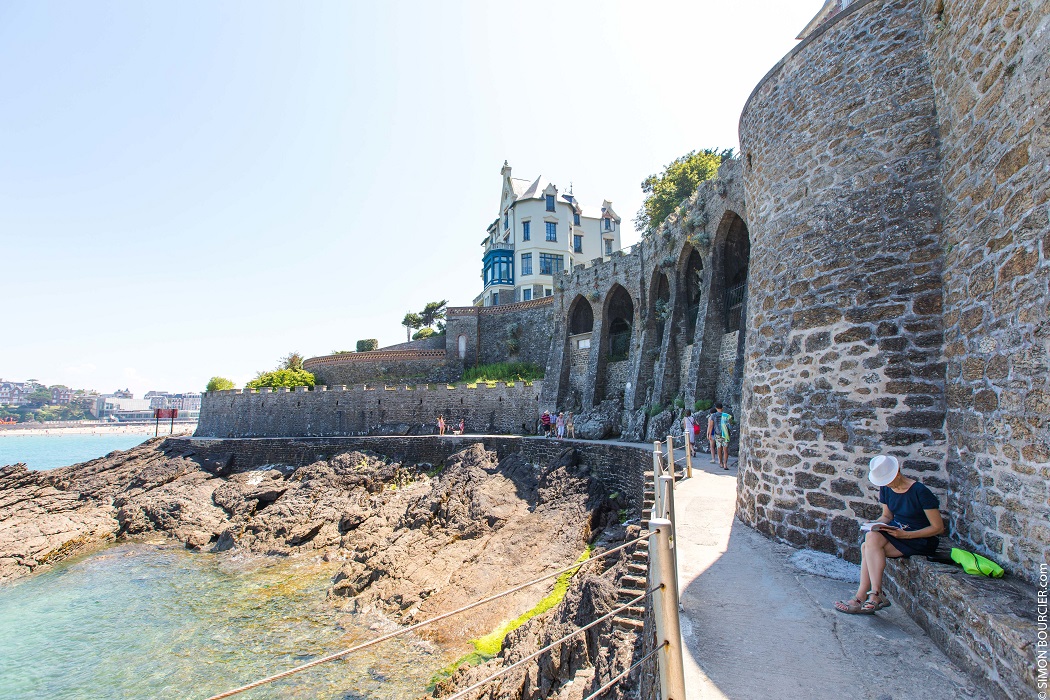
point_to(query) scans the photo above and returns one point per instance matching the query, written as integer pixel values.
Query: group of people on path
(560, 426)
(719, 423)
(442, 426)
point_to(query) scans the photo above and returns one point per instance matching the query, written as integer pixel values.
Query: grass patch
(488, 646)
(654, 411)
(703, 405)
(503, 372)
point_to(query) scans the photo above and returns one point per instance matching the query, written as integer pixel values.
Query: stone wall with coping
(991, 80)
(417, 364)
(843, 356)
(361, 409)
(507, 333)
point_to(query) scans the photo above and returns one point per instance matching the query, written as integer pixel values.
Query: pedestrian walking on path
(712, 419)
(689, 432)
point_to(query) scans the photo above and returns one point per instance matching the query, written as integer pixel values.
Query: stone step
(635, 611)
(629, 593)
(638, 568)
(640, 556)
(629, 581)
(627, 623)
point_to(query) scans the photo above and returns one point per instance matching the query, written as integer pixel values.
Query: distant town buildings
(190, 401)
(61, 395)
(539, 233)
(14, 393)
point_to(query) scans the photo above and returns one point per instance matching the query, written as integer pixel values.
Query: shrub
(503, 372)
(654, 411)
(282, 377)
(367, 345)
(423, 333)
(220, 384)
(703, 405)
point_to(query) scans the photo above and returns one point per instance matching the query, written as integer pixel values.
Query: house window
(526, 295)
(550, 202)
(526, 263)
(551, 264)
(495, 298)
(577, 244)
(506, 220)
(547, 292)
(576, 218)
(608, 224)
(462, 346)
(552, 231)
(525, 230)
(608, 246)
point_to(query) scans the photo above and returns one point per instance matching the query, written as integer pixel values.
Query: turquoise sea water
(155, 621)
(61, 449)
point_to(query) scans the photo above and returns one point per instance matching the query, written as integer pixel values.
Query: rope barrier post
(689, 457)
(670, 455)
(665, 611)
(658, 470)
(668, 504)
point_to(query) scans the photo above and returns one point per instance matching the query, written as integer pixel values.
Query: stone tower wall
(991, 76)
(843, 359)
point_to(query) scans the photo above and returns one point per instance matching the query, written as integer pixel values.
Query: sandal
(875, 602)
(855, 606)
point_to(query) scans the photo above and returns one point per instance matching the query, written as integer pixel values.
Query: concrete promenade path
(754, 626)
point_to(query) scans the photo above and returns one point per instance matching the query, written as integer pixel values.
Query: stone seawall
(620, 467)
(843, 358)
(360, 409)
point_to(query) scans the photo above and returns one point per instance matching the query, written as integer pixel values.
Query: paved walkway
(756, 627)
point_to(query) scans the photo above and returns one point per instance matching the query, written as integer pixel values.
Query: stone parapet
(363, 409)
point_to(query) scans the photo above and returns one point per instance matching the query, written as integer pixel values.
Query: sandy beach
(95, 429)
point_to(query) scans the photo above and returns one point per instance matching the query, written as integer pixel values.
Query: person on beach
(910, 523)
(570, 429)
(689, 433)
(441, 425)
(725, 419)
(712, 421)
(559, 424)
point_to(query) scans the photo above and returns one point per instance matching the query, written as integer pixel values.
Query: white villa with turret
(539, 233)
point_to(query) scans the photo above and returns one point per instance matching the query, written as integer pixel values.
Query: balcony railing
(501, 246)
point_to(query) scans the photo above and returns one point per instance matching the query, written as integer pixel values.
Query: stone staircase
(635, 581)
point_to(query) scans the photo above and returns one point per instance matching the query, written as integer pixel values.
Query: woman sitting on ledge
(910, 523)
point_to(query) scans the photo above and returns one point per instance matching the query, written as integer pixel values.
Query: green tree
(433, 312)
(341, 352)
(665, 191)
(292, 360)
(40, 396)
(282, 377)
(423, 333)
(220, 384)
(367, 345)
(411, 322)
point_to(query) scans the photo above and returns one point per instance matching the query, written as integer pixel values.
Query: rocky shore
(415, 540)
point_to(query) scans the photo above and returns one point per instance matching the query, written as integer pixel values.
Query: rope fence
(419, 625)
(530, 657)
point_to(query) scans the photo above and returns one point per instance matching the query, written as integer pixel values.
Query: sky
(198, 188)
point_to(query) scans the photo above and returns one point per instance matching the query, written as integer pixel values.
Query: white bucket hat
(883, 469)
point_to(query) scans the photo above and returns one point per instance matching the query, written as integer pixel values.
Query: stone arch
(617, 329)
(690, 288)
(652, 337)
(724, 332)
(579, 328)
(581, 316)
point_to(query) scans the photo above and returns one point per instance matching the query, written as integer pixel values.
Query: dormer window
(550, 202)
(608, 224)
(576, 218)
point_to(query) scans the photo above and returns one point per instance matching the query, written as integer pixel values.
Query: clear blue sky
(196, 188)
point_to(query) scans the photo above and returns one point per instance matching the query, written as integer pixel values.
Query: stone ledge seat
(984, 624)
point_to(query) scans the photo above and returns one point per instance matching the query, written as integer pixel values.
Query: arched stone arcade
(578, 343)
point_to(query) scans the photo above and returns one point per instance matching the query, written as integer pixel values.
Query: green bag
(976, 564)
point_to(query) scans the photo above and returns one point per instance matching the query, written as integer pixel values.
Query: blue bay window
(526, 231)
(552, 231)
(499, 267)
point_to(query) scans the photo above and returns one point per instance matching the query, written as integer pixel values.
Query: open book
(867, 527)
